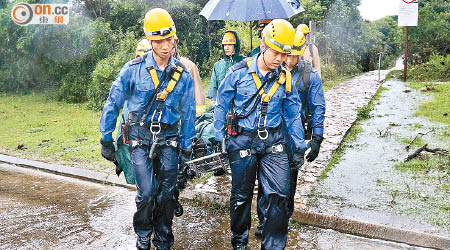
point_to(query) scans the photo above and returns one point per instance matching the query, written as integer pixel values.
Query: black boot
(240, 247)
(258, 231)
(143, 243)
(178, 210)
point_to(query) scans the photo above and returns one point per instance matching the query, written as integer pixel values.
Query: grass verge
(34, 127)
(327, 85)
(438, 110)
(429, 170)
(394, 75)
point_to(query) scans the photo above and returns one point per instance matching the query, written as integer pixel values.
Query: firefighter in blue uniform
(161, 105)
(309, 86)
(307, 81)
(253, 102)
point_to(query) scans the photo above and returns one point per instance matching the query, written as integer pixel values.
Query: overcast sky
(376, 9)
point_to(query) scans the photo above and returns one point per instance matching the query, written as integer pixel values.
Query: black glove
(314, 144)
(217, 146)
(298, 159)
(219, 172)
(108, 150)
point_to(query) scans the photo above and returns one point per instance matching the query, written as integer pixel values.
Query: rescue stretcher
(216, 162)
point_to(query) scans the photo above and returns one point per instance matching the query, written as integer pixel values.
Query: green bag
(123, 152)
(204, 127)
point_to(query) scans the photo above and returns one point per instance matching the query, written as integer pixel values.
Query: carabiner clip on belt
(155, 125)
(262, 131)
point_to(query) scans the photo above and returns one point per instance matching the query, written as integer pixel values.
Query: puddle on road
(364, 185)
(43, 211)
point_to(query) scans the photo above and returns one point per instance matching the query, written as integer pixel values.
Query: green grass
(437, 110)
(364, 112)
(433, 110)
(50, 131)
(395, 75)
(205, 81)
(327, 85)
(418, 142)
(430, 169)
(426, 163)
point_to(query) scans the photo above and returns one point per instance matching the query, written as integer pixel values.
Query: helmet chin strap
(176, 51)
(264, 60)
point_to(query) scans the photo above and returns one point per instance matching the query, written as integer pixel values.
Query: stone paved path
(342, 102)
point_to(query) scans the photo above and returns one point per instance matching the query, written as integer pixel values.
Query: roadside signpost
(408, 15)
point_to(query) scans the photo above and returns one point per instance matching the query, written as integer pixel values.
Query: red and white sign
(408, 13)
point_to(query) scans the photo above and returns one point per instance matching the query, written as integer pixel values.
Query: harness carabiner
(263, 134)
(262, 131)
(155, 126)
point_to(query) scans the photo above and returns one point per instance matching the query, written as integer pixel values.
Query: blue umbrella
(250, 10)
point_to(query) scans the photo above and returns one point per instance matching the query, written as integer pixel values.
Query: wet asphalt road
(44, 211)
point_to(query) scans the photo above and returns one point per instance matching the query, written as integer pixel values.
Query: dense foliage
(78, 62)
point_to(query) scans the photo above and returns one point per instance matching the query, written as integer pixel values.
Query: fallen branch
(416, 153)
(415, 138)
(438, 151)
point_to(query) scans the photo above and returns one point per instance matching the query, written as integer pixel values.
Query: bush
(107, 70)
(97, 41)
(329, 72)
(437, 68)
(206, 68)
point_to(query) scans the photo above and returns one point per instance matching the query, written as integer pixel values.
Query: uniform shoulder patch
(241, 64)
(179, 63)
(138, 60)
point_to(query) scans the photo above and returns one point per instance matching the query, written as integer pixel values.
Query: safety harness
(305, 75)
(155, 125)
(284, 77)
(232, 119)
(159, 97)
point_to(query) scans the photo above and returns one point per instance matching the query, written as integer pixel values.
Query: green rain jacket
(221, 67)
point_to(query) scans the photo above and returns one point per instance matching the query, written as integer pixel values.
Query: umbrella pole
(251, 40)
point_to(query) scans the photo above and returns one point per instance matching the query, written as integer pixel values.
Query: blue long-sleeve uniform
(135, 84)
(316, 99)
(238, 87)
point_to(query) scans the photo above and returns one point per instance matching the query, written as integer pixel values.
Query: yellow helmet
(229, 38)
(263, 23)
(299, 43)
(158, 24)
(279, 35)
(303, 28)
(143, 47)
